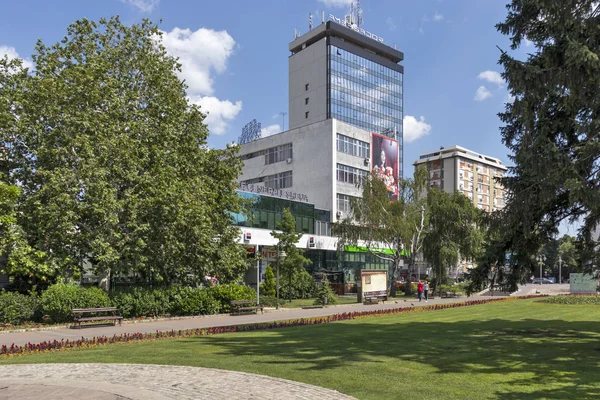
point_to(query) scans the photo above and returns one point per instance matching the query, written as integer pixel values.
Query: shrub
(268, 301)
(303, 286)
(224, 294)
(324, 292)
(16, 308)
(191, 301)
(268, 288)
(59, 300)
(142, 302)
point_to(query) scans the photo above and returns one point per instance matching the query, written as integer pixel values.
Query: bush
(191, 301)
(142, 302)
(303, 286)
(16, 308)
(224, 294)
(268, 301)
(324, 292)
(59, 300)
(268, 288)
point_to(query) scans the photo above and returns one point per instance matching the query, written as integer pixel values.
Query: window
(347, 174)
(306, 87)
(279, 181)
(306, 115)
(353, 146)
(278, 153)
(306, 100)
(343, 203)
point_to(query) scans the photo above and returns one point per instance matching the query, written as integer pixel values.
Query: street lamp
(559, 269)
(541, 258)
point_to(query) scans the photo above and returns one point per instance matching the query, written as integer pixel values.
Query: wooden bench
(374, 299)
(107, 314)
(448, 294)
(245, 306)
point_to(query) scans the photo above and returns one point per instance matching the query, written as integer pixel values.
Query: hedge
(16, 308)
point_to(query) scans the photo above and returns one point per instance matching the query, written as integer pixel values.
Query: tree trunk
(408, 285)
(290, 283)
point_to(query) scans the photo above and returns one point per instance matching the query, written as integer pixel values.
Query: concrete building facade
(459, 169)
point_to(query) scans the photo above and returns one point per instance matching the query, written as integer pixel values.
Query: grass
(296, 303)
(512, 350)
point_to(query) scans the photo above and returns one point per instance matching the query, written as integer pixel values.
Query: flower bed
(592, 299)
(47, 346)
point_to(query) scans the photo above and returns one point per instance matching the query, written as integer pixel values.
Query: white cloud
(336, 3)
(201, 54)
(437, 17)
(220, 112)
(11, 52)
(390, 23)
(270, 130)
(482, 93)
(415, 129)
(492, 77)
(143, 5)
(528, 43)
(509, 98)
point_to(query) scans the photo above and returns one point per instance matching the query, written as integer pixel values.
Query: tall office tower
(340, 71)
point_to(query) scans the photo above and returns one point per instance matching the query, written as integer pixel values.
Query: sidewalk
(21, 338)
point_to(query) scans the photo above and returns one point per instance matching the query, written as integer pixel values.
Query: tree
(392, 231)
(114, 163)
(569, 254)
(287, 240)
(454, 230)
(551, 128)
(268, 288)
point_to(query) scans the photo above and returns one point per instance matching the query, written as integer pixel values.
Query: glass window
(278, 153)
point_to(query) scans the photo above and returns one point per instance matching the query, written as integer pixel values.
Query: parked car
(552, 279)
(542, 280)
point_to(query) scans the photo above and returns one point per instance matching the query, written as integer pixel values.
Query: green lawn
(511, 350)
(309, 302)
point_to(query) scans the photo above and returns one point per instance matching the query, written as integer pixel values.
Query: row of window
(361, 117)
(352, 146)
(347, 174)
(363, 63)
(278, 153)
(392, 93)
(362, 112)
(275, 181)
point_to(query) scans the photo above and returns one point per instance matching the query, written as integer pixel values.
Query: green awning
(364, 249)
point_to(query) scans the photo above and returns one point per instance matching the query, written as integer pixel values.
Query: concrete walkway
(21, 338)
(147, 382)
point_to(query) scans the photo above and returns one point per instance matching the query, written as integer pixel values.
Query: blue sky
(235, 57)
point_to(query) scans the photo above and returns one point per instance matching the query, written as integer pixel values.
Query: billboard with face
(384, 156)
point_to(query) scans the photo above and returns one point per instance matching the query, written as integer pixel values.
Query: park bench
(245, 306)
(373, 299)
(96, 314)
(448, 294)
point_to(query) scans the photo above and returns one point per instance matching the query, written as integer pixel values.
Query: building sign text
(355, 28)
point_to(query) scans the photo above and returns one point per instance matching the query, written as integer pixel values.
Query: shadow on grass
(554, 359)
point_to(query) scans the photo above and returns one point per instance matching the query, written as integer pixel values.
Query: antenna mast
(310, 21)
(358, 13)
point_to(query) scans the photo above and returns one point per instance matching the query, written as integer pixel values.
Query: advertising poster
(384, 156)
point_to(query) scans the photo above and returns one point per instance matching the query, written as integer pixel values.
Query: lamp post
(541, 258)
(559, 269)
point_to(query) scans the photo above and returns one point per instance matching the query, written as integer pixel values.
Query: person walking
(426, 290)
(420, 290)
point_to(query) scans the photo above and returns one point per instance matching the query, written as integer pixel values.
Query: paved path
(21, 338)
(147, 382)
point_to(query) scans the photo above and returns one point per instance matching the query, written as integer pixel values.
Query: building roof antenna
(358, 13)
(310, 21)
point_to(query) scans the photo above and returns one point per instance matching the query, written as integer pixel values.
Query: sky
(234, 56)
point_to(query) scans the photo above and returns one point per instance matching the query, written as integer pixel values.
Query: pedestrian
(420, 290)
(426, 290)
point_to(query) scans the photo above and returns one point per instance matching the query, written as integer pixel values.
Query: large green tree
(288, 238)
(392, 231)
(551, 128)
(114, 163)
(454, 231)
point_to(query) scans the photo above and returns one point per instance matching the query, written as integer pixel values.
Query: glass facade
(366, 94)
(267, 213)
